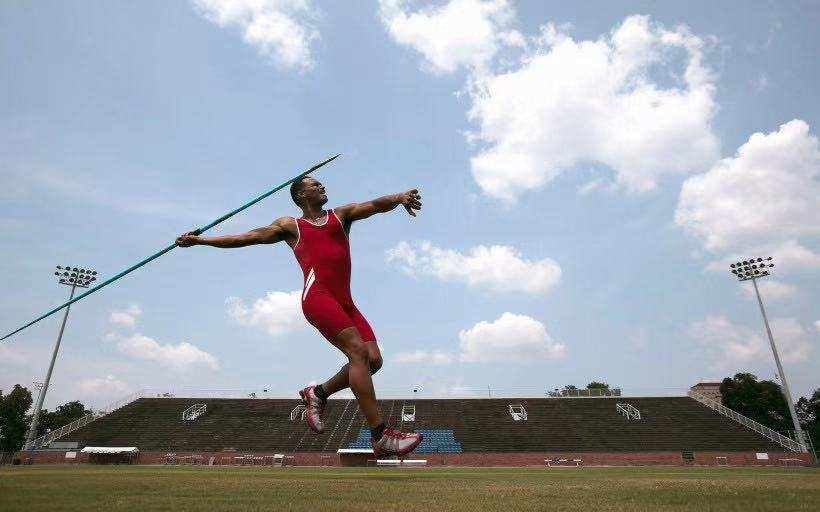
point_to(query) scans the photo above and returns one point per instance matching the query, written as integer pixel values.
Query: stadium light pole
(75, 278)
(752, 270)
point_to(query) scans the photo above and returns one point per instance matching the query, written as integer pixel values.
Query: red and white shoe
(313, 409)
(396, 443)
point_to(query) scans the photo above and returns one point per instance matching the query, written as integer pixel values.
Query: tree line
(763, 401)
(16, 417)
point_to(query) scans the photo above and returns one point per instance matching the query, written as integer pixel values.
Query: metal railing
(298, 412)
(193, 412)
(761, 429)
(47, 439)
(408, 413)
(807, 440)
(628, 410)
(517, 412)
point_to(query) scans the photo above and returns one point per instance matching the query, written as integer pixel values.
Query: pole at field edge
(32, 431)
(798, 432)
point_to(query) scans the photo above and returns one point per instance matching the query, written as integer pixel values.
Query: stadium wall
(480, 459)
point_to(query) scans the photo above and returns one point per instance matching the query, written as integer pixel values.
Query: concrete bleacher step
(582, 424)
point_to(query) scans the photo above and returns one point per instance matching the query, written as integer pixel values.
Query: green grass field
(147, 488)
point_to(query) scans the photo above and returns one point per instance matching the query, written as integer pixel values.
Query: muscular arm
(280, 229)
(411, 200)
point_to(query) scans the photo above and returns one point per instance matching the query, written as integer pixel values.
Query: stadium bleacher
(450, 425)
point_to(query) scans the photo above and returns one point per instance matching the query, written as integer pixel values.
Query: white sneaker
(396, 443)
(313, 409)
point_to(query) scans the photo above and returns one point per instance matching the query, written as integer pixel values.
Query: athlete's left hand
(411, 200)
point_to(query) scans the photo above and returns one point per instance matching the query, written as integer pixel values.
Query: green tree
(598, 385)
(63, 415)
(808, 412)
(13, 421)
(761, 401)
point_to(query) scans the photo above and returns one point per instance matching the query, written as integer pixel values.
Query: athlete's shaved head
(313, 191)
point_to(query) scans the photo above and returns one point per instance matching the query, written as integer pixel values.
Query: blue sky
(588, 171)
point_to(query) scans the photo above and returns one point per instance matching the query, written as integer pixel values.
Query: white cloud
(460, 33)
(181, 356)
(447, 385)
(281, 30)
(602, 102)
(277, 312)
(24, 360)
(787, 254)
(510, 338)
(817, 325)
(639, 100)
(102, 386)
(455, 387)
(770, 289)
(126, 317)
(792, 340)
(499, 268)
(723, 339)
(424, 357)
(762, 201)
(727, 343)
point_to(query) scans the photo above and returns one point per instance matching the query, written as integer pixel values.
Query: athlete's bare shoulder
(287, 222)
(343, 211)
(287, 226)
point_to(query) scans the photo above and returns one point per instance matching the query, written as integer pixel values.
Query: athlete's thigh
(361, 323)
(325, 313)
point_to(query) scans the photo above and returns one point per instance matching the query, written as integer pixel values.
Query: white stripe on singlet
(309, 282)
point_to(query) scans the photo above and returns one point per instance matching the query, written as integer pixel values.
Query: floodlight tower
(75, 278)
(752, 270)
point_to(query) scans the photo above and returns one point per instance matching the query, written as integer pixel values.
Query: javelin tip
(330, 159)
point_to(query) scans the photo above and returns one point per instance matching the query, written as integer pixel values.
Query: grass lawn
(149, 488)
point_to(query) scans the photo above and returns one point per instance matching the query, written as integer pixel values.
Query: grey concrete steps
(571, 424)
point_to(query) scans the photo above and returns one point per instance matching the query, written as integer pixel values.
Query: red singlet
(323, 252)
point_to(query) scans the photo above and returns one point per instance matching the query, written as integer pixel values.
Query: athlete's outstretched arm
(278, 230)
(411, 200)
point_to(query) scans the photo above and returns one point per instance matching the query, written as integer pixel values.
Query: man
(319, 240)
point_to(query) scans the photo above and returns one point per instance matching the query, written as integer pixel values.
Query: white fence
(763, 430)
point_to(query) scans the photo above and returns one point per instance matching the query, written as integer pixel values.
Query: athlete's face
(314, 192)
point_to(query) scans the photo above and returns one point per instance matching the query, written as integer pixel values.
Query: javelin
(170, 247)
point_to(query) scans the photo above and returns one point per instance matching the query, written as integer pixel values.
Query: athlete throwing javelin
(319, 240)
